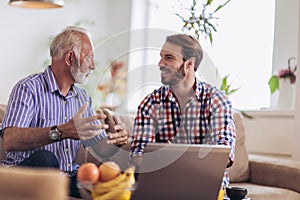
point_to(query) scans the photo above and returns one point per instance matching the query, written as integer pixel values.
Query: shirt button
(66, 149)
(68, 165)
(65, 117)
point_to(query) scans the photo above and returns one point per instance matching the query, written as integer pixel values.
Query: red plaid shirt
(207, 119)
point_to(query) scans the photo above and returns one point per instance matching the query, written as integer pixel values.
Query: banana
(101, 191)
(93, 194)
(111, 195)
(117, 188)
(130, 175)
(130, 170)
(124, 185)
(103, 186)
(125, 196)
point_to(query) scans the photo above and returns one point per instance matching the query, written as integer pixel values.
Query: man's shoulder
(203, 84)
(206, 88)
(154, 97)
(158, 93)
(30, 80)
(79, 89)
(208, 91)
(81, 92)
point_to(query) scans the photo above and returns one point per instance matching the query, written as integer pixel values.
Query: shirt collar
(198, 87)
(50, 80)
(167, 93)
(52, 84)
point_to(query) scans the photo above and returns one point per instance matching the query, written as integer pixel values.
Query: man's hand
(79, 127)
(120, 137)
(116, 135)
(116, 131)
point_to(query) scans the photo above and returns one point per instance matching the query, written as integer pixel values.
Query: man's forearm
(21, 139)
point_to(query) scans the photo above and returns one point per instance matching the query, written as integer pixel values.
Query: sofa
(264, 177)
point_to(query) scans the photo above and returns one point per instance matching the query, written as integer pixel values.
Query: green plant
(289, 73)
(226, 87)
(273, 83)
(201, 20)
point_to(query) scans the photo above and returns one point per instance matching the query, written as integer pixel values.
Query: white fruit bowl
(120, 187)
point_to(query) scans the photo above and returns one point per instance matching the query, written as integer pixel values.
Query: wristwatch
(54, 134)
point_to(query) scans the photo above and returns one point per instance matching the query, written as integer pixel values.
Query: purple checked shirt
(206, 119)
(36, 101)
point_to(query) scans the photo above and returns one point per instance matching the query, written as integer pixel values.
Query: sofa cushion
(240, 169)
(283, 173)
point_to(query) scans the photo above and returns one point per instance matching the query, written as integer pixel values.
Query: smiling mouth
(164, 70)
(164, 73)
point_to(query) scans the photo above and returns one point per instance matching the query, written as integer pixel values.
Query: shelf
(271, 113)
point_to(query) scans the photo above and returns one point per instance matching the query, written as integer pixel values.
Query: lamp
(37, 4)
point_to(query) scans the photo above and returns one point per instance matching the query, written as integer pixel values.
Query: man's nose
(161, 63)
(93, 66)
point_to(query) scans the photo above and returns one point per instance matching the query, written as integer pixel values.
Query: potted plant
(201, 20)
(286, 74)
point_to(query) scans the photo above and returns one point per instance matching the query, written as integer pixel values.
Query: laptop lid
(181, 171)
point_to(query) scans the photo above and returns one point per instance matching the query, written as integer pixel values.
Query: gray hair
(68, 39)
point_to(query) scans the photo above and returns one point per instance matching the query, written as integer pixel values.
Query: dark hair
(190, 47)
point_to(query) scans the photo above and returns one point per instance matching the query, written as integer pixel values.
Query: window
(242, 47)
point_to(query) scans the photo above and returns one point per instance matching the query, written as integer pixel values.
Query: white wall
(296, 135)
(286, 32)
(277, 131)
(25, 33)
(285, 37)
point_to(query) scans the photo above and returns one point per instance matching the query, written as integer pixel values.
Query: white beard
(79, 77)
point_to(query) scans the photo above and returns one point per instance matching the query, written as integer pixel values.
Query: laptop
(181, 171)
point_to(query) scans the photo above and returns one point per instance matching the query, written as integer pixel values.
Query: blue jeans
(46, 159)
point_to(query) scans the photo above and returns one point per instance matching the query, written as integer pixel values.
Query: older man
(47, 113)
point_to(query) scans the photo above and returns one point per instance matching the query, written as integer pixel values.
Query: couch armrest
(275, 172)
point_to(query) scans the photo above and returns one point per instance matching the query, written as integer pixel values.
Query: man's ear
(190, 62)
(69, 57)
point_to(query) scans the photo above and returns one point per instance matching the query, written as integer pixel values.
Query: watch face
(54, 134)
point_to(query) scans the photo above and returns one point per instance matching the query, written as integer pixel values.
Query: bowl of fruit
(105, 181)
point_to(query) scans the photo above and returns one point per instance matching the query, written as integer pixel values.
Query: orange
(88, 172)
(108, 171)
